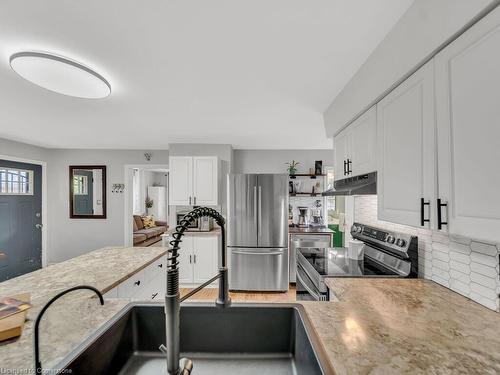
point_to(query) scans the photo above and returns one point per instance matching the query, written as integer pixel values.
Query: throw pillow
(148, 221)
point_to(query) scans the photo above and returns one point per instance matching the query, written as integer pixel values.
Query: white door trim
(44, 199)
(128, 198)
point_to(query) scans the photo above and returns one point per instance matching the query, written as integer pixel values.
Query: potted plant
(149, 203)
(292, 167)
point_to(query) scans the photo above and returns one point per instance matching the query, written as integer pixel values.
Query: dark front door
(83, 192)
(20, 218)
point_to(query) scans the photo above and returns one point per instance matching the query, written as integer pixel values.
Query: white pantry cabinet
(406, 150)
(468, 131)
(194, 180)
(198, 259)
(355, 148)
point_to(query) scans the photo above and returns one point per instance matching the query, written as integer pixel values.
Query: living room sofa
(147, 236)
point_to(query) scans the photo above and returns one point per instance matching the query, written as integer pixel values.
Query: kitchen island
(380, 326)
(76, 315)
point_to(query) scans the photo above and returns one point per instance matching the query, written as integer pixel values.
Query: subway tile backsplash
(467, 266)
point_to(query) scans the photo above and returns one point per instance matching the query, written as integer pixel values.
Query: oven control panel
(395, 241)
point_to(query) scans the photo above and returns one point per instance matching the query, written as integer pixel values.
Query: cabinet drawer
(311, 237)
(133, 285)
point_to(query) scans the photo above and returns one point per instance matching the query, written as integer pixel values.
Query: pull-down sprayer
(172, 297)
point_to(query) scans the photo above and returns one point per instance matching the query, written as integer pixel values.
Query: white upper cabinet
(355, 147)
(468, 128)
(406, 150)
(341, 153)
(180, 180)
(194, 180)
(363, 143)
(205, 181)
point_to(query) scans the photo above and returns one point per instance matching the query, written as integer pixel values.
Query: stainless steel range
(386, 254)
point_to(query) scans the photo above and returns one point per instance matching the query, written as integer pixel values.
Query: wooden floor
(210, 294)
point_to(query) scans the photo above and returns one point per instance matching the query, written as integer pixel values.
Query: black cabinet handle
(349, 162)
(154, 295)
(440, 219)
(160, 265)
(422, 214)
(345, 170)
(190, 259)
(138, 282)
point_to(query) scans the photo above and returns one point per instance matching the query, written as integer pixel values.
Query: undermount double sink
(242, 339)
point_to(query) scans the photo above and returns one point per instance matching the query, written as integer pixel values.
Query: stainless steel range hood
(358, 185)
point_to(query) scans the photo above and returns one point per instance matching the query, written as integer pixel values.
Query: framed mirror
(87, 191)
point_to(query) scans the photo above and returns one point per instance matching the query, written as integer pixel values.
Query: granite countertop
(380, 326)
(310, 230)
(76, 315)
(394, 326)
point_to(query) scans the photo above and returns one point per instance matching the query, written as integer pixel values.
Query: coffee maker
(317, 215)
(303, 217)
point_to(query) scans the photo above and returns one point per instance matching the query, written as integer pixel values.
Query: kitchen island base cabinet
(198, 262)
(147, 284)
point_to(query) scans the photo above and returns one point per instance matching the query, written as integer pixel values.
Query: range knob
(390, 239)
(400, 242)
(356, 229)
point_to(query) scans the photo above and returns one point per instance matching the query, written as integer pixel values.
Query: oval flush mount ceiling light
(60, 74)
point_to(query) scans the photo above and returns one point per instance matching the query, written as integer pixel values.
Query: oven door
(306, 290)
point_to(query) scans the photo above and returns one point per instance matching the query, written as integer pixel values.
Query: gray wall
(67, 238)
(72, 237)
(423, 28)
(273, 161)
(23, 150)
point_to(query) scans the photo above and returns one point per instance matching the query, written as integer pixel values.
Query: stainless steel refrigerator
(258, 232)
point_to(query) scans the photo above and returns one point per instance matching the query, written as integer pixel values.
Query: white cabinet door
(205, 181)
(341, 149)
(468, 122)
(406, 149)
(186, 261)
(363, 143)
(180, 180)
(205, 258)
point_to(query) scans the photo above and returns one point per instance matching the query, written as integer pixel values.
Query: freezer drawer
(258, 269)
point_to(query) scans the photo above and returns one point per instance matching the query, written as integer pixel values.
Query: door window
(80, 185)
(16, 181)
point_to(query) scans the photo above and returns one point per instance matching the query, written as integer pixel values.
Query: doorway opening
(147, 208)
(21, 217)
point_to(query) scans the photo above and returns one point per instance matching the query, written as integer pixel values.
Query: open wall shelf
(311, 176)
(305, 194)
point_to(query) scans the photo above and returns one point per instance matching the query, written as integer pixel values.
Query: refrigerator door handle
(255, 207)
(257, 253)
(260, 211)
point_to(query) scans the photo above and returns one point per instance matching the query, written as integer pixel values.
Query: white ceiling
(256, 74)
